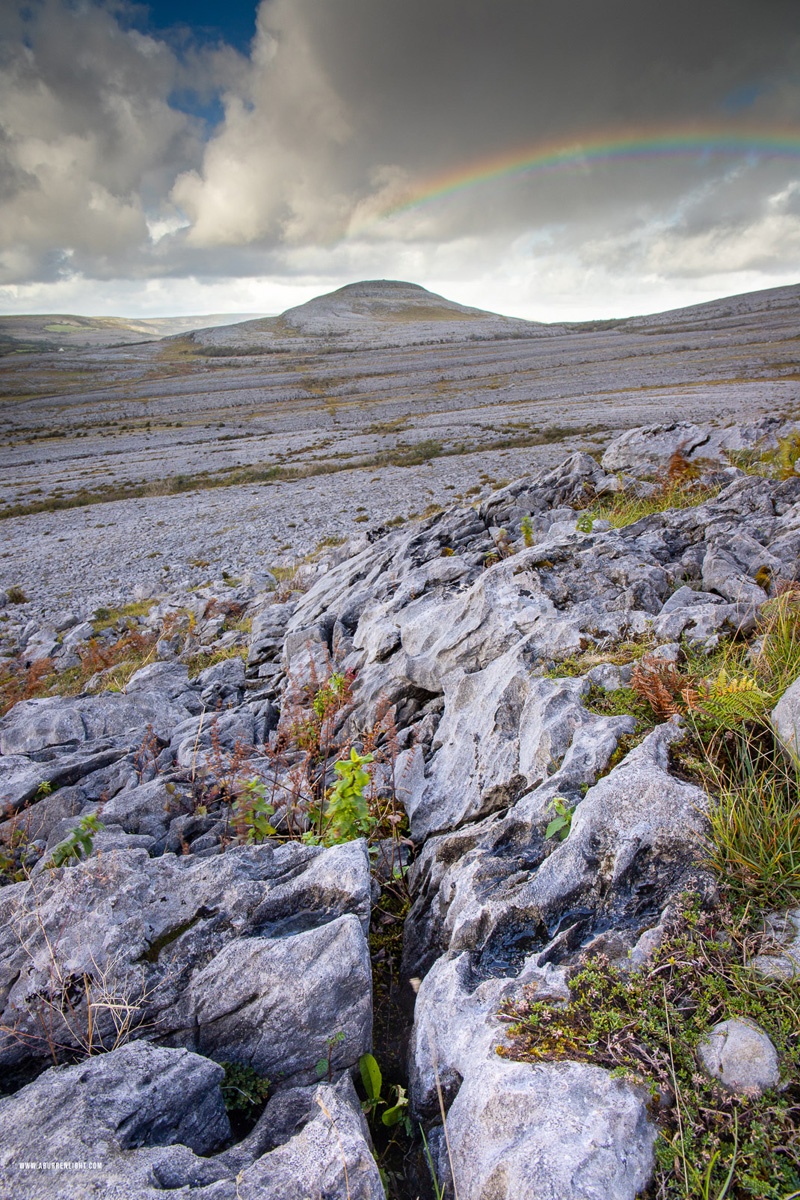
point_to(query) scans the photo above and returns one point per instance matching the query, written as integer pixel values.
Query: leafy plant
(79, 843)
(331, 695)
(527, 532)
(345, 814)
(252, 813)
(244, 1090)
(585, 522)
(325, 1065)
(560, 825)
(372, 1080)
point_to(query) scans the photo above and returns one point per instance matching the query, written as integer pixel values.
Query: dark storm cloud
(344, 106)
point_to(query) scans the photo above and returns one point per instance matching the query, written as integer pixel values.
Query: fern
(731, 699)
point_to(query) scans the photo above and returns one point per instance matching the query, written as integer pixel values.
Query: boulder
(741, 1057)
(785, 718)
(782, 960)
(137, 1095)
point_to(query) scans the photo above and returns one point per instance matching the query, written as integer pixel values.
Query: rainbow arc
(619, 147)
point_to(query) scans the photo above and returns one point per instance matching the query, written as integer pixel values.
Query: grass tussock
(754, 841)
(202, 660)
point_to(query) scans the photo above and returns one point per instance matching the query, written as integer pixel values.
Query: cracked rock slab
(205, 952)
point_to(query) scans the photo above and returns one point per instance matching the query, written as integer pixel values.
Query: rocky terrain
(179, 897)
(388, 398)
(58, 331)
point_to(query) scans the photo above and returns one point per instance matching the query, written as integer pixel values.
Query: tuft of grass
(16, 596)
(754, 841)
(201, 661)
(625, 509)
(126, 656)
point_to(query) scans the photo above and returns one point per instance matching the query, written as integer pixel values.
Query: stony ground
(483, 680)
(465, 401)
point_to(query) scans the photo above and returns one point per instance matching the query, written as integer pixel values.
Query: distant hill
(23, 334)
(375, 312)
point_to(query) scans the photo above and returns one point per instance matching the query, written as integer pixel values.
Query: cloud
(345, 107)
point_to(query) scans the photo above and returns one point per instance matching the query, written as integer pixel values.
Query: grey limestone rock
(783, 959)
(496, 887)
(649, 447)
(137, 1095)
(741, 1057)
(142, 1120)
(206, 952)
(722, 574)
(36, 725)
(785, 718)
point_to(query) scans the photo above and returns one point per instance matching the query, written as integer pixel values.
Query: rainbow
(577, 155)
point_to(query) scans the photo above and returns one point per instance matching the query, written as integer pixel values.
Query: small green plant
(345, 813)
(585, 522)
(325, 1065)
(13, 850)
(245, 1094)
(251, 814)
(372, 1079)
(330, 696)
(79, 843)
(560, 825)
(244, 1089)
(527, 532)
(438, 1190)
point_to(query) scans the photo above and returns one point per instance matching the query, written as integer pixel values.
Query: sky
(549, 159)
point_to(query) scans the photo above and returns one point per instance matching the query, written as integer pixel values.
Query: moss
(170, 936)
(621, 702)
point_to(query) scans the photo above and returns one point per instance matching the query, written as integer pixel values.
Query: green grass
(625, 509)
(201, 661)
(754, 842)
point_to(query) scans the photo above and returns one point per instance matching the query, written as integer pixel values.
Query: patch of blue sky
(207, 108)
(207, 21)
